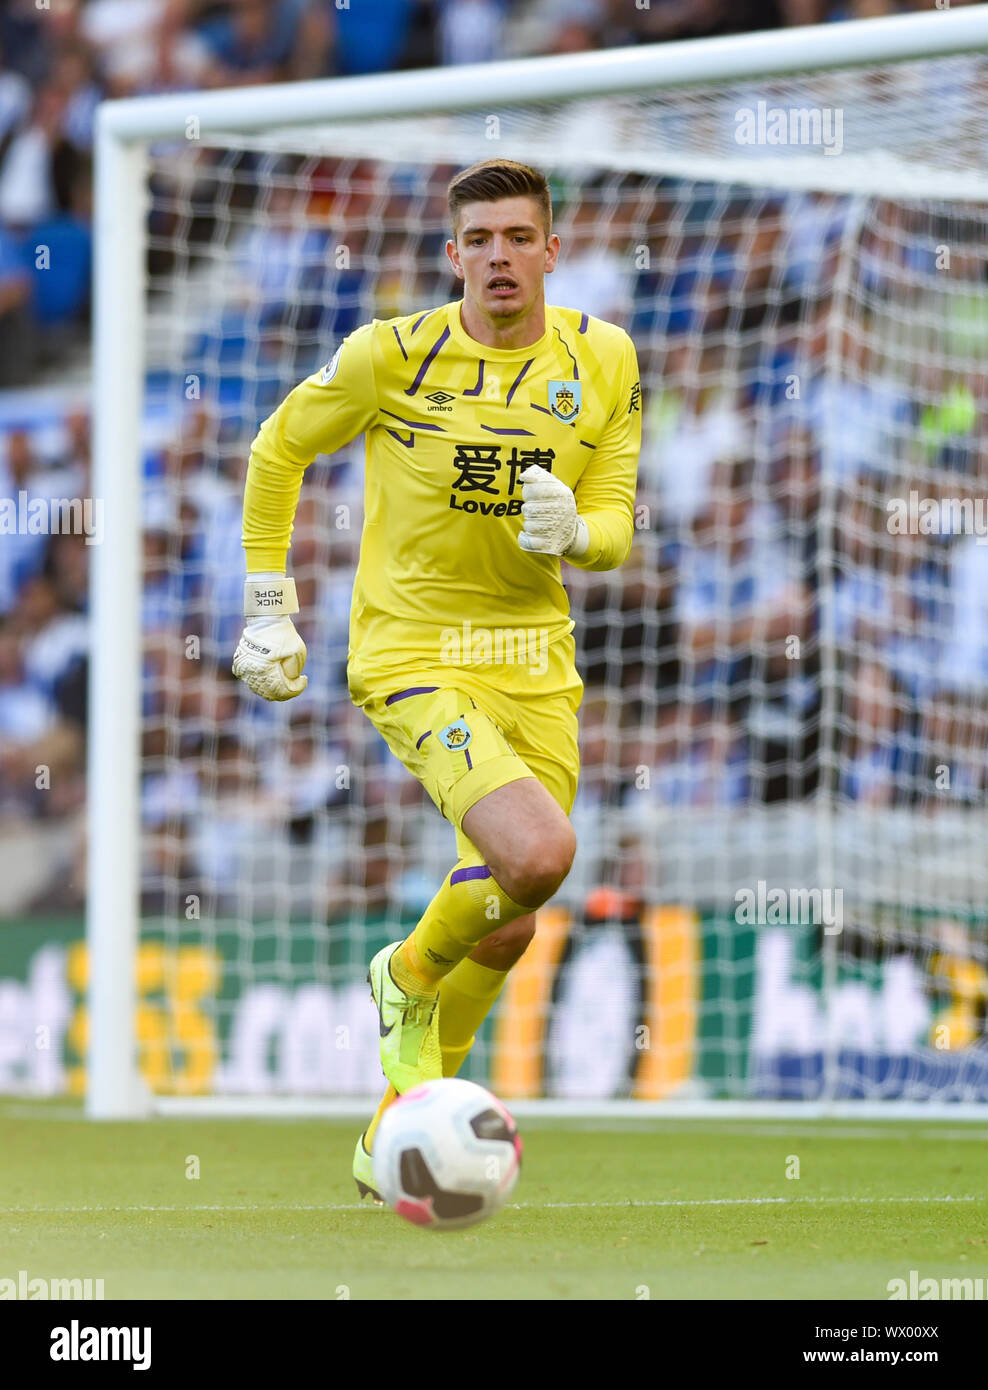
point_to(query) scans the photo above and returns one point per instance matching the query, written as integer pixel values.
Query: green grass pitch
(619, 1210)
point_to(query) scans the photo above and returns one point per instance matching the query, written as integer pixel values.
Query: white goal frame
(124, 130)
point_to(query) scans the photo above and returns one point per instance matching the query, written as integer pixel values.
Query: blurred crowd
(770, 637)
(60, 59)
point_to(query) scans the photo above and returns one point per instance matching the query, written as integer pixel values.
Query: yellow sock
(469, 906)
(466, 996)
(406, 967)
(387, 1099)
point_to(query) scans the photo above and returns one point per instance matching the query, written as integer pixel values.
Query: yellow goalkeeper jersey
(449, 426)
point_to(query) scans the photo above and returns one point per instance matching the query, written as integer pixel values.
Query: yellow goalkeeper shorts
(462, 737)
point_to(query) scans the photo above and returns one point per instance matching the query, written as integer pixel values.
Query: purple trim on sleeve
(415, 690)
(414, 424)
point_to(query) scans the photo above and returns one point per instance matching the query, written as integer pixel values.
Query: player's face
(502, 255)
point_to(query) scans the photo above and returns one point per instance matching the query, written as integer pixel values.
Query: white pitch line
(749, 1201)
(512, 1206)
(891, 1126)
(809, 1129)
(39, 1112)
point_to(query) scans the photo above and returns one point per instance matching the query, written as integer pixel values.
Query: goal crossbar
(812, 48)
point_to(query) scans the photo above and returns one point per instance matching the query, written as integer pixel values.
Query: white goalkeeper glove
(551, 524)
(270, 655)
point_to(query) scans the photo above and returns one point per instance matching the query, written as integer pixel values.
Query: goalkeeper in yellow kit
(502, 434)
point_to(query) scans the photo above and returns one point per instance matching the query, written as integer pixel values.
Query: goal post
(648, 149)
(113, 774)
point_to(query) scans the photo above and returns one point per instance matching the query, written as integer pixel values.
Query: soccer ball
(446, 1155)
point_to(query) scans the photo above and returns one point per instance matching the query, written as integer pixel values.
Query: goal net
(781, 884)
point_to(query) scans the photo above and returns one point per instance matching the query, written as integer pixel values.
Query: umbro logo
(441, 401)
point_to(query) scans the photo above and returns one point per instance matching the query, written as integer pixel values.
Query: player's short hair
(492, 179)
